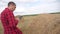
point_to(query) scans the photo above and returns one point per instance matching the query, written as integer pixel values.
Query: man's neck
(10, 9)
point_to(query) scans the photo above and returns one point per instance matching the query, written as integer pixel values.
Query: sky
(28, 7)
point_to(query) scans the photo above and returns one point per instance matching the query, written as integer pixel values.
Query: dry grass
(40, 24)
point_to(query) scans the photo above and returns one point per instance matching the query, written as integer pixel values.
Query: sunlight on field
(39, 24)
(1, 28)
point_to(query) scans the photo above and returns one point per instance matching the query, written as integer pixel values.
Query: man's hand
(17, 18)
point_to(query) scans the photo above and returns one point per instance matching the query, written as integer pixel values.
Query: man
(9, 21)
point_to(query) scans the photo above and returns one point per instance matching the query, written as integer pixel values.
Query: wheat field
(39, 24)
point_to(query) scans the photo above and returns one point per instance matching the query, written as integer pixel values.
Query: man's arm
(11, 19)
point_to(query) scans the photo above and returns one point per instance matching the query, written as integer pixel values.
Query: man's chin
(13, 10)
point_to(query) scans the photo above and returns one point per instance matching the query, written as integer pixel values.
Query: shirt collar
(9, 9)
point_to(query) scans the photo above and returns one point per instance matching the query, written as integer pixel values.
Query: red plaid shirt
(9, 22)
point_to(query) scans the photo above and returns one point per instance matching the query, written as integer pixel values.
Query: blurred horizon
(27, 7)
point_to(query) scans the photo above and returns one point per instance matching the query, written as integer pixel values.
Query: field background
(39, 24)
